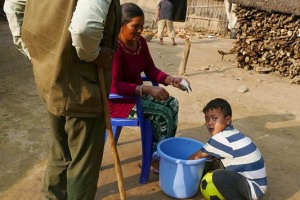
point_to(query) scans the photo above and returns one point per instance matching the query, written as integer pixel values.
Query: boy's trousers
(75, 157)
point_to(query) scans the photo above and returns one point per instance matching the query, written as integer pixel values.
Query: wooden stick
(110, 134)
(184, 60)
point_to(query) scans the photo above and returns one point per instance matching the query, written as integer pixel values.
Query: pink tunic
(127, 68)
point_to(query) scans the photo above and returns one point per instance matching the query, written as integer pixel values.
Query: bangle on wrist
(141, 90)
(172, 81)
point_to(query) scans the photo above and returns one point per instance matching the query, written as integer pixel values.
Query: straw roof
(283, 6)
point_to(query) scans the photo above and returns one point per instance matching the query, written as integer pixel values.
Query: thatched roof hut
(282, 6)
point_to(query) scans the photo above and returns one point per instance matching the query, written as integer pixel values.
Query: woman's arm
(154, 73)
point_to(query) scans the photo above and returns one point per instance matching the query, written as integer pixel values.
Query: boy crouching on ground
(243, 175)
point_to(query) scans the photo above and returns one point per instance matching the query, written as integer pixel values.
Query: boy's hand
(197, 155)
(194, 156)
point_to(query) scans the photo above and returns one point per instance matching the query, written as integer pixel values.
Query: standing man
(67, 41)
(165, 18)
(232, 20)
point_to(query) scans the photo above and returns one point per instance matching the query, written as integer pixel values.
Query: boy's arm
(197, 155)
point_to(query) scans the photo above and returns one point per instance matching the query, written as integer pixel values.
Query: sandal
(174, 44)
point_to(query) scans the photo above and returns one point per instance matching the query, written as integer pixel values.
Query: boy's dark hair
(129, 11)
(222, 104)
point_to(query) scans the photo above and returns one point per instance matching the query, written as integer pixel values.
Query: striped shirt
(239, 154)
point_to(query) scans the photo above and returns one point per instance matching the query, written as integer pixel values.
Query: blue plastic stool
(145, 129)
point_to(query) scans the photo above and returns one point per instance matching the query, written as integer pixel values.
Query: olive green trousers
(75, 157)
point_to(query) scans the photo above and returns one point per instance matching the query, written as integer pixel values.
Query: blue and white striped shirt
(239, 154)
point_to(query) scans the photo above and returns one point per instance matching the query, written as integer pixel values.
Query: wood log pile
(268, 42)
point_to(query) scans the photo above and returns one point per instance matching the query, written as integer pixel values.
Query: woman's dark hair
(129, 11)
(222, 104)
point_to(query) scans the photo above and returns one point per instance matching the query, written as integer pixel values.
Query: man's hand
(104, 57)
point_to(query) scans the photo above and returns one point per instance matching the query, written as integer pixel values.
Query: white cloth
(14, 10)
(86, 26)
(230, 7)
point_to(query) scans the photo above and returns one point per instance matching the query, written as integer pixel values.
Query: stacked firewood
(268, 42)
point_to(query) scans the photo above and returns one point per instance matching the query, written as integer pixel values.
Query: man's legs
(171, 31)
(160, 30)
(75, 157)
(231, 17)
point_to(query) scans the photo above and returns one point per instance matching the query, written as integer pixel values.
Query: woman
(131, 59)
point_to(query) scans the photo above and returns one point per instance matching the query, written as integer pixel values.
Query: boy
(244, 174)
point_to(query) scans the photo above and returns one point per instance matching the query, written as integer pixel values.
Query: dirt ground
(268, 112)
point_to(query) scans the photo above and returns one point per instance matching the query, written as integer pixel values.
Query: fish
(185, 85)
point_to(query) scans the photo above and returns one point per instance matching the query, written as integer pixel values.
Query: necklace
(137, 52)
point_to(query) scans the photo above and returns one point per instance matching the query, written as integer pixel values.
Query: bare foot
(155, 166)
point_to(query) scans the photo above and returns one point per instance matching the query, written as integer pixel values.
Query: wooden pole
(185, 57)
(110, 134)
(149, 36)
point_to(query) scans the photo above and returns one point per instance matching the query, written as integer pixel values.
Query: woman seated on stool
(129, 62)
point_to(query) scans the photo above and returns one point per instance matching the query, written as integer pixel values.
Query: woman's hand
(180, 83)
(170, 80)
(156, 92)
(176, 81)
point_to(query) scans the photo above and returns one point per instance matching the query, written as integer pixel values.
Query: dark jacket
(68, 85)
(166, 10)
